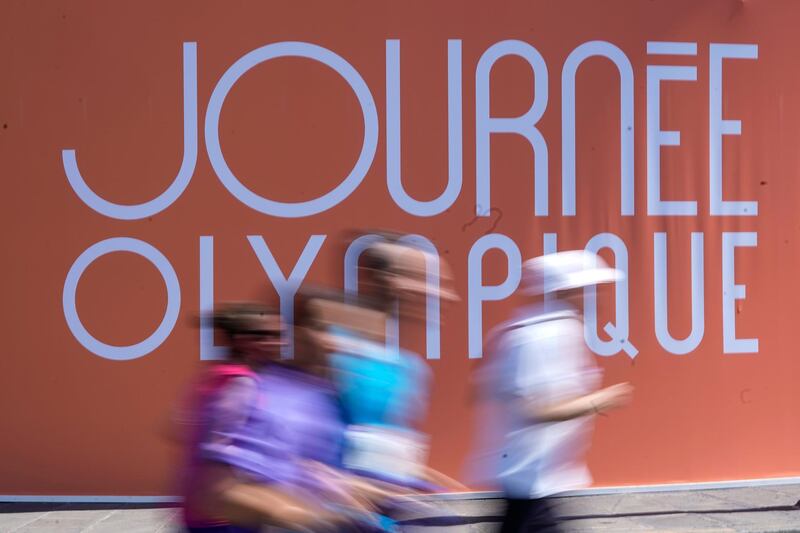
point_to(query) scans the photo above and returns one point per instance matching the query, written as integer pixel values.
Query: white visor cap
(566, 270)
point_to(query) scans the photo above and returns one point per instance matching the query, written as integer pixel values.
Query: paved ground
(762, 509)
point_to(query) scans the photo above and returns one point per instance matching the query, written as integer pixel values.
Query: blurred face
(575, 297)
(261, 341)
(406, 280)
(410, 281)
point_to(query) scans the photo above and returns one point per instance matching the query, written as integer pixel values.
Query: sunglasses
(267, 333)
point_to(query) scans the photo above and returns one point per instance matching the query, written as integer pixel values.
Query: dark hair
(380, 266)
(234, 319)
(376, 259)
(372, 257)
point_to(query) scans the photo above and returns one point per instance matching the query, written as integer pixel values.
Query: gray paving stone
(670, 501)
(151, 520)
(762, 521)
(682, 521)
(602, 504)
(492, 507)
(14, 521)
(752, 497)
(751, 510)
(606, 525)
(64, 522)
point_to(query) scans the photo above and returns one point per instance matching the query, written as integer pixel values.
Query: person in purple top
(264, 435)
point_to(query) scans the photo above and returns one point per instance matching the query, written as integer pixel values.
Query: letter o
(341, 191)
(121, 244)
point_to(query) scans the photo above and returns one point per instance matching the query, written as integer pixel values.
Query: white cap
(566, 270)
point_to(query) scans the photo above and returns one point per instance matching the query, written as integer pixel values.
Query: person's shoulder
(541, 326)
(500, 333)
(242, 383)
(413, 361)
(554, 324)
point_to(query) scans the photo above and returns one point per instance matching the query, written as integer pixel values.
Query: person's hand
(618, 395)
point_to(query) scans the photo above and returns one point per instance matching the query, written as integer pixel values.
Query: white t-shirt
(541, 357)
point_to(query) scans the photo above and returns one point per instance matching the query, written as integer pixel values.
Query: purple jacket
(291, 417)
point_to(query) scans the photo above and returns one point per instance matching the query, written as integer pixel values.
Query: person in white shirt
(544, 377)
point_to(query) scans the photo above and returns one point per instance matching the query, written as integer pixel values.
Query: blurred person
(384, 390)
(257, 428)
(316, 312)
(545, 384)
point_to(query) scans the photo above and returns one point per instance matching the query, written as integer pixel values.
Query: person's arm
(234, 404)
(593, 403)
(249, 504)
(227, 413)
(546, 375)
(346, 489)
(230, 409)
(232, 494)
(443, 480)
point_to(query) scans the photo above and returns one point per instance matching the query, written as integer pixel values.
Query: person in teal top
(379, 387)
(384, 389)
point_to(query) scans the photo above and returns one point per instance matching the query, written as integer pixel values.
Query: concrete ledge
(472, 495)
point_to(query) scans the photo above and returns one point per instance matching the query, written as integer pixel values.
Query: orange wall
(105, 79)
